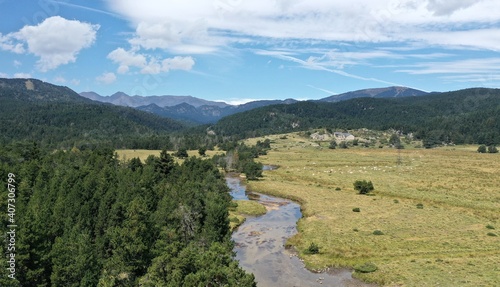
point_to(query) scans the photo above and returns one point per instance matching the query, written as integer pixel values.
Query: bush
(368, 267)
(491, 234)
(489, 226)
(363, 186)
(312, 249)
(182, 153)
(338, 188)
(343, 145)
(378, 232)
(420, 206)
(202, 151)
(481, 149)
(356, 209)
(492, 149)
(333, 145)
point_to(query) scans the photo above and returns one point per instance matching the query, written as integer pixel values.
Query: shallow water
(260, 246)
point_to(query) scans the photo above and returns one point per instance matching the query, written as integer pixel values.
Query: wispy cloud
(86, 8)
(315, 63)
(468, 66)
(323, 90)
(208, 25)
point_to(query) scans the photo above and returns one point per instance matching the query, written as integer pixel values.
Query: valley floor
(437, 210)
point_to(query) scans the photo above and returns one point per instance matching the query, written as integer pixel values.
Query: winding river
(260, 245)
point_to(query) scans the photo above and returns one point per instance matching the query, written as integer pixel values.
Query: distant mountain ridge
(122, 99)
(389, 92)
(207, 114)
(185, 108)
(199, 111)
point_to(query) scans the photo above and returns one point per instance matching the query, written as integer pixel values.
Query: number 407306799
(11, 207)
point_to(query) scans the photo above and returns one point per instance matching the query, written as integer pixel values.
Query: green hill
(464, 116)
(57, 116)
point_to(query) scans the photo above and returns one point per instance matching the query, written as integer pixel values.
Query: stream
(259, 245)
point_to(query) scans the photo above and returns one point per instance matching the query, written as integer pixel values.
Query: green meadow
(432, 220)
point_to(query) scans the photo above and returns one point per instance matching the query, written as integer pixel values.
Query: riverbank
(260, 245)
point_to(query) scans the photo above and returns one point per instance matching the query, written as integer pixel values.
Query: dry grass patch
(443, 243)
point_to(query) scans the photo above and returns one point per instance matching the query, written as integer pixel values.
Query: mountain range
(199, 111)
(57, 116)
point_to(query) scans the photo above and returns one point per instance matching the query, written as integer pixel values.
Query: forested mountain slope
(464, 116)
(57, 116)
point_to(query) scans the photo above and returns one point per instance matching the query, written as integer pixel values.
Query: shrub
(333, 145)
(481, 149)
(489, 226)
(396, 201)
(368, 267)
(492, 149)
(343, 145)
(338, 188)
(356, 209)
(378, 232)
(420, 206)
(202, 151)
(312, 249)
(491, 234)
(363, 186)
(182, 153)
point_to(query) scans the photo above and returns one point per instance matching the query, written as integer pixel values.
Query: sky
(241, 50)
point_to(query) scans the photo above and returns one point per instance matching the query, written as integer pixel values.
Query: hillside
(58, 117)
(464, 116)
(389, 92)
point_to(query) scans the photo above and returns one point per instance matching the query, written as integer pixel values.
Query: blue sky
(241, 50)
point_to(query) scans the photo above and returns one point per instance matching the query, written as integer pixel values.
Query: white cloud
(106, 78)
(447, 7)
(3, 75)
(147, 64)
(197, 26)
(236, 102)
(126, 59)
(17, 64)
(7, 44)
(22, 75)
(60, 80)
(177, 63)
(56, 41)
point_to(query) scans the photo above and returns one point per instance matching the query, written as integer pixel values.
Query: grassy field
(438, 210)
